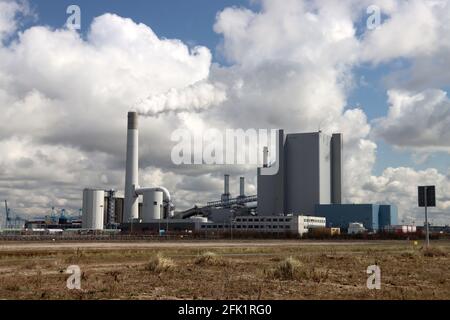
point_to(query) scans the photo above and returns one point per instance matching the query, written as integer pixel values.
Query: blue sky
(190, 21)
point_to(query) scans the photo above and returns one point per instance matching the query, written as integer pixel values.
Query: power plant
(301, 190)
(298, 192)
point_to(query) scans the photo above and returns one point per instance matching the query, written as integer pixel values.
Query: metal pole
(167, 224)
(231, 225)
(7, 214)
(426, 220)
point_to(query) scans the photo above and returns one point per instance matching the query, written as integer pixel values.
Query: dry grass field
(239, 270)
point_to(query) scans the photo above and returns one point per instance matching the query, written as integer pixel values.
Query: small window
(155, 203)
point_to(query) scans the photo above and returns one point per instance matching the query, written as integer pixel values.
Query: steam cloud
(194, 98)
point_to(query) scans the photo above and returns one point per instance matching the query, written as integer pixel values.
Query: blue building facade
(374, 217)
(388, 215)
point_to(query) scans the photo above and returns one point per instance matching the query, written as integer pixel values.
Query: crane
(7, 213)
(12, 223)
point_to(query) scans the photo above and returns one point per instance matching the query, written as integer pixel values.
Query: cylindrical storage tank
(152, 207)
(93, 209)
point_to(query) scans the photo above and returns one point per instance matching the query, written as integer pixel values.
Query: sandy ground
(13, 246)
(262, 269)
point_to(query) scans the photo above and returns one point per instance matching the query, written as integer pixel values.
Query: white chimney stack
(131, 209)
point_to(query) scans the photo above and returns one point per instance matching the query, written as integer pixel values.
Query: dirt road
(6, 246)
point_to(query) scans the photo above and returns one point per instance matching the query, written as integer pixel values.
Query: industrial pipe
(166, 197)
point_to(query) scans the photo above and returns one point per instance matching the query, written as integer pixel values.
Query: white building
(356, 227)
(271, 224)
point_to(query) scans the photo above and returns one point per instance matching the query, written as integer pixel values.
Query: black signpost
(427, 198)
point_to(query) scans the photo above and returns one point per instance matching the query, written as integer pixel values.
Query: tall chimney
(242, 187)
(226, 182)
(336, 168)
(131, 173)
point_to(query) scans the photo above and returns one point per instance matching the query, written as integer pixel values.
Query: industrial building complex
(298, 192)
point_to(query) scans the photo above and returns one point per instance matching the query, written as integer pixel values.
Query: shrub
(209, 258)
(159, 264)
(288, 269)
(434, 252)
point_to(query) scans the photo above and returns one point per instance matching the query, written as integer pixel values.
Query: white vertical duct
(132, 167)
(265, 157)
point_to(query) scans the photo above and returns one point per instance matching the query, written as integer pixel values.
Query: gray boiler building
(307, 172)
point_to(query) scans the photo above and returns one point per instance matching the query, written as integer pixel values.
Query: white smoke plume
(194, 98)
